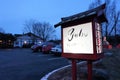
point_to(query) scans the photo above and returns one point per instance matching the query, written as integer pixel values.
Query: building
(26, 40)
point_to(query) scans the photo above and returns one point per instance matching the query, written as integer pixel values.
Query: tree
(28, 25)
(112, 16)
(42, 29)
(118, 30)
(1, 30)
(95, 4)
(7, 40)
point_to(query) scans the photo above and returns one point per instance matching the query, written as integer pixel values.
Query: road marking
(55, 58)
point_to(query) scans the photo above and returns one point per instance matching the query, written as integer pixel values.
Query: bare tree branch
(115, 19)
(111, 14)
(41, 29)
(2, 30)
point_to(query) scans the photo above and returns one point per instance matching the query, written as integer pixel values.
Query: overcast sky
(14, 13)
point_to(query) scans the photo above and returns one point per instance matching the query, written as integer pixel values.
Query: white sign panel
(78, 39)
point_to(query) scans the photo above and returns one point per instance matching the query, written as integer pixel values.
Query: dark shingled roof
(96, 11)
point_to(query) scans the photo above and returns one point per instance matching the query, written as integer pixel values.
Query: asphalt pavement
(22, 64)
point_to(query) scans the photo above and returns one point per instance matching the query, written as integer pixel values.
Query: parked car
(57, 50)
(37, 47)
(118, 46)
(46, 48)
(33, 46)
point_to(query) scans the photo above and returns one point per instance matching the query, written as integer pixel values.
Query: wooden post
(89, 64)
(74, 70)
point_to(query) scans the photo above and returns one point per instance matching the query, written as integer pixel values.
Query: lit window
(39, 42)
(0, 41)
(9, 40)
(25, 42)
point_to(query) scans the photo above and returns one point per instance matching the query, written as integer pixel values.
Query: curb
(47, 75)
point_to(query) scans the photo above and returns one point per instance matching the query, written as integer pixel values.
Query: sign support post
(89, 64)
(74, 70)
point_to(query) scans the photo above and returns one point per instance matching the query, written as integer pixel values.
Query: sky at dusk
(14, 13)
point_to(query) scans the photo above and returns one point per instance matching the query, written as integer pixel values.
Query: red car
(37, 47)
(118, 46)
(46, 48)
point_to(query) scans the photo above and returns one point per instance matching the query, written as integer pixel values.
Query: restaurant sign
(78, 39)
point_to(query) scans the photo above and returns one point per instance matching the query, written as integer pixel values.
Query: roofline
(81, 15)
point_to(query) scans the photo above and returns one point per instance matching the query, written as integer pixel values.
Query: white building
(27, 39)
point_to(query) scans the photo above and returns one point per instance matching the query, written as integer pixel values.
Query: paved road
(22, 64)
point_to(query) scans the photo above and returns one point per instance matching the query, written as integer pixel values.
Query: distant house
(26, 40)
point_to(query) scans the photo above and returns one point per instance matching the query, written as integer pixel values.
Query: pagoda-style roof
(96, 12)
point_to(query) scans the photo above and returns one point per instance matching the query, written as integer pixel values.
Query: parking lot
(23, 64)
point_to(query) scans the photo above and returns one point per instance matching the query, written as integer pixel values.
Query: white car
(57, 50)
